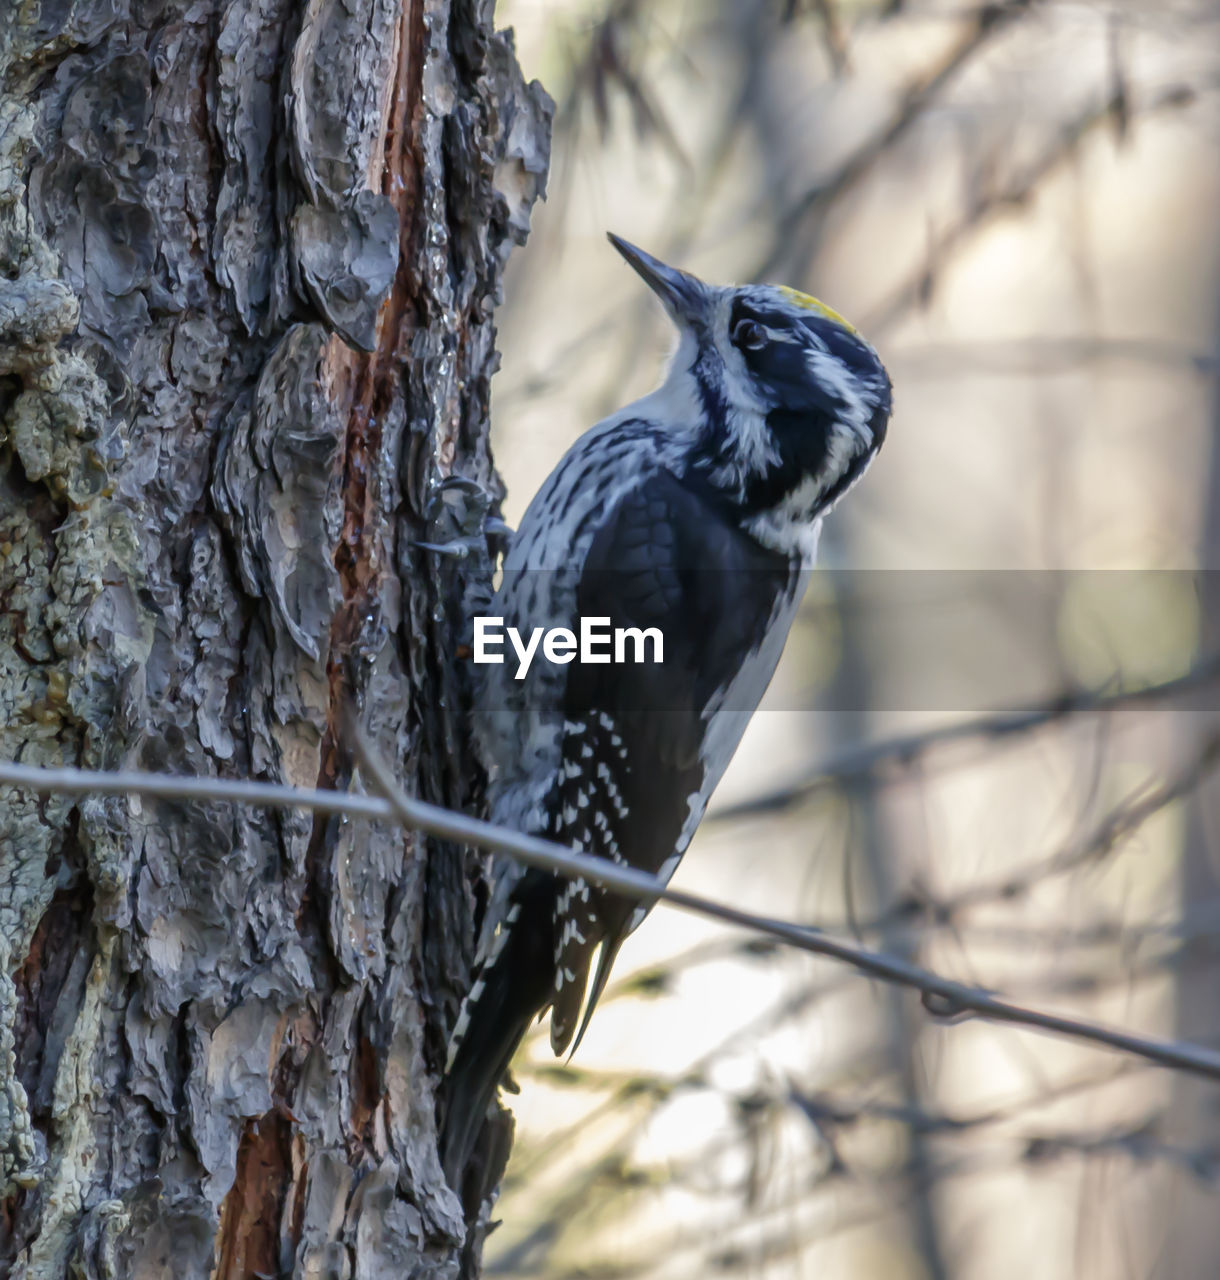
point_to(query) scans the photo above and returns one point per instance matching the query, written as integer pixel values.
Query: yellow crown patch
(809, 303)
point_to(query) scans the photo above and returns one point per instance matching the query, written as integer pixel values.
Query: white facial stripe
(788, 336)
(832, 373)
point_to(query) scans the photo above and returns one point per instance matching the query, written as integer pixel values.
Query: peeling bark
(249, 256)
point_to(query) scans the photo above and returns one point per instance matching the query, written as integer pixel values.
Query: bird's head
(786, 403)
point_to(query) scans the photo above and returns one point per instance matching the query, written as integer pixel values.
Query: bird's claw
(460, 511)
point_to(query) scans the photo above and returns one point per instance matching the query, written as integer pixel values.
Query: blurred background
(991, 746)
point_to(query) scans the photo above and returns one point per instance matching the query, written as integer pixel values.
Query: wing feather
(631, 768)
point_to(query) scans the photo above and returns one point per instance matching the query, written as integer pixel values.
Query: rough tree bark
(249, 253)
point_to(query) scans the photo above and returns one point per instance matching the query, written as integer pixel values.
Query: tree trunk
(1188, 1223)
(249, 253)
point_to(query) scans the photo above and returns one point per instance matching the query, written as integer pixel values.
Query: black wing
(630, 753)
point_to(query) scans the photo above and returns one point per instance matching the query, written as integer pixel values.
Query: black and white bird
(695, 510)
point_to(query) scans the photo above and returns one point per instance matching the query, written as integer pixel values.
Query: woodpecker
(695, 511)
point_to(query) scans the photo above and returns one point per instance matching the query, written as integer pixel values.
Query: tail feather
(605, 962)
(515, 983)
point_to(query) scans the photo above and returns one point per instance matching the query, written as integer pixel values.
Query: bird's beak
(686, 297)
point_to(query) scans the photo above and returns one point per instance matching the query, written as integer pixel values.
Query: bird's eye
(748, 335)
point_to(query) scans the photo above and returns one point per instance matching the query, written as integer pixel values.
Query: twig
(906, 750)
(1015, 192)
(1119, 824)
(942, 997)
(984, 25)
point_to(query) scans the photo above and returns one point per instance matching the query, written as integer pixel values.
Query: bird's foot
(462, 521)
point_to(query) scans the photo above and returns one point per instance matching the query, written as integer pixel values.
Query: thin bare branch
(906, 750)
(1017, 191)
(811, 206)
(942, 997)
